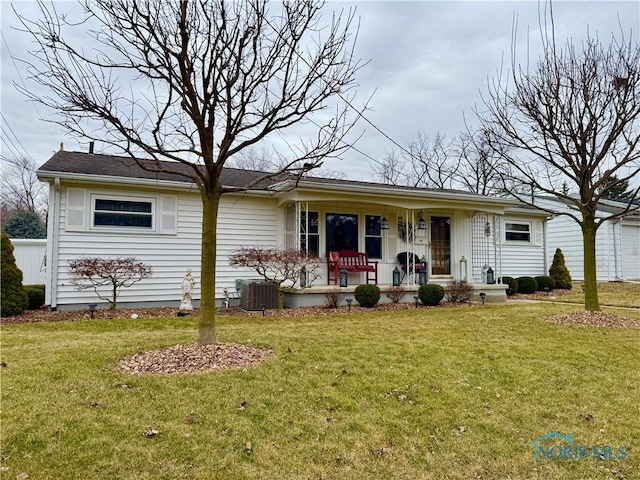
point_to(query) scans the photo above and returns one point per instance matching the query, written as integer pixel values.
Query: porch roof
(324, 190)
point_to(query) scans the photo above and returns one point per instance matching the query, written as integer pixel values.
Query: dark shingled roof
(110, 165)
(82, 163)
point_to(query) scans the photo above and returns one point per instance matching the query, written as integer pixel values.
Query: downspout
(617, 249)
(52, 247)
(545, 245)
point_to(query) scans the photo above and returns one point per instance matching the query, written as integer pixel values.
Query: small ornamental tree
(283, 267)
(13, 297)
(115, 273)
(559, 271)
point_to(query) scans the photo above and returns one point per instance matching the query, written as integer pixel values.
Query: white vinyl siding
(242, 221)
(523, 257)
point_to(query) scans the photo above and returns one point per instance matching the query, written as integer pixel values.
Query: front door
(440, 246)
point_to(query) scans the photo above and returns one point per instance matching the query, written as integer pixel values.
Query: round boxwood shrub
(431, 294)
(513, 285)
(13, 298)
(527, 284)
(367, 295)
(35, 294)
(545, 281)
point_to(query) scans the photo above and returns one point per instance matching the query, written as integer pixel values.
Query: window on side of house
(517, 232)
(122, 212)
(373, 236)
(309, 233)
(342, 231)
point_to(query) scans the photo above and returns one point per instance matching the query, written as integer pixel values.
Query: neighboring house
(108, 206)
(617, 241)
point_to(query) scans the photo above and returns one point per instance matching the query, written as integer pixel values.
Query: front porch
(315, 296)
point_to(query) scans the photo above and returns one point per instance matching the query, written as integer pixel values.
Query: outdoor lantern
(491, 278)
(349, 300)
(400, 222)
(422, 225)
(384, 223)
(463, 269)
(422, 276)
(396, 277)
(92, 309)
(343, 278)
(487, 229)
(483, 296)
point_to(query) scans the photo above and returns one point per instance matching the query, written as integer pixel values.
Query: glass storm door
(440, 246)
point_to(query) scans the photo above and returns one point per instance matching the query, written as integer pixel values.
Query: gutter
(129, 181)
(288, 185)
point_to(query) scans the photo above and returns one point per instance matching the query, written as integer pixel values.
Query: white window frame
(112, 228)
(528, 223)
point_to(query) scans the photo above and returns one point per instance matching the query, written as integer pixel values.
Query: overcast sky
(428, 64)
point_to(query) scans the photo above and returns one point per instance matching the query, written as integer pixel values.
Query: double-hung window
(373, 236)
(118, 212)
(517, 232)
(309, 233)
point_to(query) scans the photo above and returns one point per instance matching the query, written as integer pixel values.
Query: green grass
(609, 294)
(378, 395)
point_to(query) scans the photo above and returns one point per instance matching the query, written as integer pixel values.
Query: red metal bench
(352, 262)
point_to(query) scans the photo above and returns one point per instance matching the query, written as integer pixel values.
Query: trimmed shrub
(430, 294)
(459, 291)
(545, 281)
(367, 295)
(13, 297)
(527, 284)
(513, 285)
(559, 272)
(35, 295)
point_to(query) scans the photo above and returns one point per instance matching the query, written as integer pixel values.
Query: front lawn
(609, 294)
(445, 393)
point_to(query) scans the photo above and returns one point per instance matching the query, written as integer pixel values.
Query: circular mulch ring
(593, 319)
(193, 358)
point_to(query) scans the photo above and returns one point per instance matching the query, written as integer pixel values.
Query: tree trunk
(207, 321)
(591, 302)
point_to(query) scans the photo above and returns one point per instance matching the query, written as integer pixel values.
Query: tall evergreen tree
(13, 298)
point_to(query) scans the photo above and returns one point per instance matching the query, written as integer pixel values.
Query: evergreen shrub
(367, 295)
(513, 285)
(35, 296)
(559, 272)
(431, 294)
(527, 285)
(13, 297)
(545, 281)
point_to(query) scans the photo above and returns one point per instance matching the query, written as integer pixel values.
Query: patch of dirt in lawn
(593, 319)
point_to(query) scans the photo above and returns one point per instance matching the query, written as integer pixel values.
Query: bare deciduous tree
(114, 273)
(572, 123)
(21, 189)
(210, 80)
(424, 162)
(479, 170)
(277, 265)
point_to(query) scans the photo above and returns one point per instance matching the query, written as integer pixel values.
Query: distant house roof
(604, 205)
